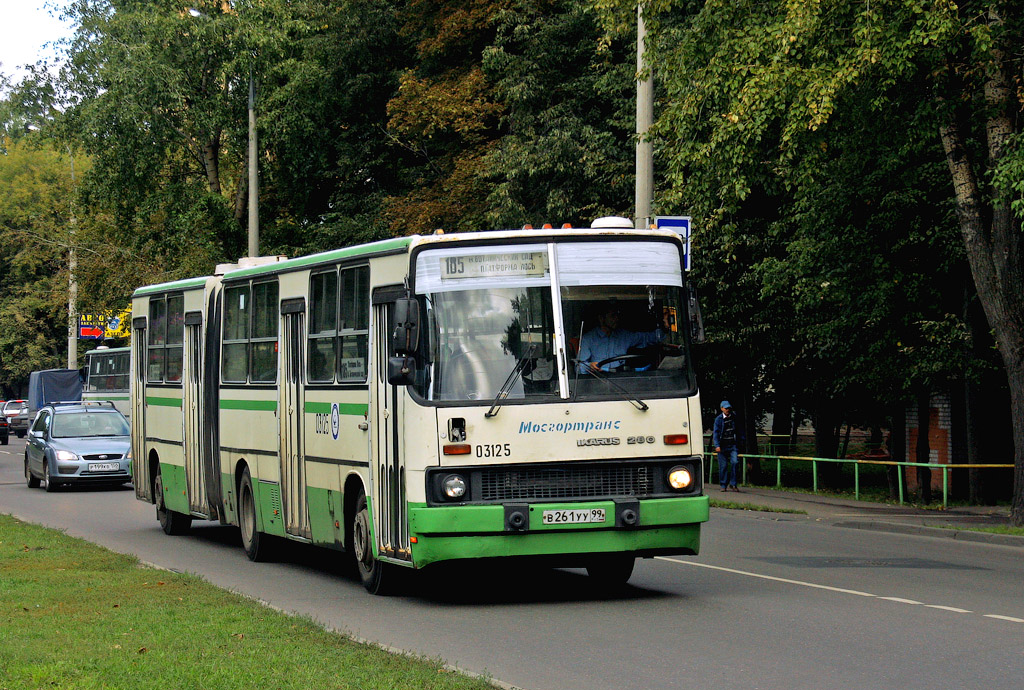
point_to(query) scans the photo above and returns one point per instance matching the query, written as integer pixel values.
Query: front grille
(541, 483)
(100, 457)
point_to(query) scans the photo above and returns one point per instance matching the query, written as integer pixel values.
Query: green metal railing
(712, 467)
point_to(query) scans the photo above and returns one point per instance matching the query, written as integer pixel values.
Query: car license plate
(573, 517)
(104, 466)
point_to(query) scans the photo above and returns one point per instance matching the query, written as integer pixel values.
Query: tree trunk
(922, 452)
(782, 421)
(897, 450)
(826, 442)
(973, 397)
(211, 162)
(242, 198)
(995, 253)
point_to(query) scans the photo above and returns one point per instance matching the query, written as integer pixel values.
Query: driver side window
(43, 423)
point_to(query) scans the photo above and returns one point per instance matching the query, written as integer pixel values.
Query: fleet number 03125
(494, 450)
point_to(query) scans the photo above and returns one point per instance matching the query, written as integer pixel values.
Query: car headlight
(680, 478)
(454, 486)
(66, 455)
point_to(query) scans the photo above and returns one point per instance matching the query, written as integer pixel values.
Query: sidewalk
(881, 517)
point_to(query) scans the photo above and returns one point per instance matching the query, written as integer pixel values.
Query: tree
(776, 87)
(36, 212)
(565, 153)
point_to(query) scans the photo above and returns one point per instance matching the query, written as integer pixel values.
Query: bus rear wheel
(170, 521)
(256, 544)
(377, 577)
(611, 570)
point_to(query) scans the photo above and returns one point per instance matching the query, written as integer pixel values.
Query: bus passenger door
(293, 475)
(387, 465)
(192, 414)
(140, 466)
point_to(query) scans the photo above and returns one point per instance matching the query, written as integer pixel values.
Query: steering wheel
(617, 358)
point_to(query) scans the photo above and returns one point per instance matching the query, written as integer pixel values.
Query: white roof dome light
(612, 222)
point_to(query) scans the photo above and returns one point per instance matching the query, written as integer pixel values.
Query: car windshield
(16, 407)
(86, 424)
(493, 330)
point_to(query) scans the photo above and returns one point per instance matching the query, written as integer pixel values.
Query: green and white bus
(419, 400)
(107, 376)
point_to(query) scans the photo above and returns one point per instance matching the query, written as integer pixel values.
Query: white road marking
(947, 608)
(840, 590)
(898, 600)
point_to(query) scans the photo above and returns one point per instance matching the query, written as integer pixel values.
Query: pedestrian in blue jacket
(727, 438)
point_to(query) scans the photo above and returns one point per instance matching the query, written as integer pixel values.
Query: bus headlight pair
(680, 478)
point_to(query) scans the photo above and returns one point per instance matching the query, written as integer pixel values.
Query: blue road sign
(680, 225)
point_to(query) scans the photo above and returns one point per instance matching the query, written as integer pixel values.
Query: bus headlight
(454, 486)
(680, 478)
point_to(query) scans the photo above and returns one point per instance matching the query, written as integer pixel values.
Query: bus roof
(107, 350)
(397, 244)
(186, 284)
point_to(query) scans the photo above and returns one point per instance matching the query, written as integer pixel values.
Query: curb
(923, 530)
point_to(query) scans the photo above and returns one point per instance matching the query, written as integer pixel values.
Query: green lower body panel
(326, 517)
(268, 505)
(175, 488)
(664, 526)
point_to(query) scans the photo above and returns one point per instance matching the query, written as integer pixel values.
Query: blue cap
(726, 403)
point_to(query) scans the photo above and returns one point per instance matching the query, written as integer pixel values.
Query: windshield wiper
(513, 376)
(599, 375)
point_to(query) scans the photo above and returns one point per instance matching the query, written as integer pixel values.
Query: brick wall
(940, 440)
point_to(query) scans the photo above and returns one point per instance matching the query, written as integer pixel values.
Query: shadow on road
(462, 583)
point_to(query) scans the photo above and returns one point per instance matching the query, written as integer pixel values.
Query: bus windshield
(494, 328)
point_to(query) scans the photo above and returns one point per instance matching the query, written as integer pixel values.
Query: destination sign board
(506, 264)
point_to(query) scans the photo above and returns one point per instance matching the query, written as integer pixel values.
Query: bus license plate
(104, 466)
(573, 517)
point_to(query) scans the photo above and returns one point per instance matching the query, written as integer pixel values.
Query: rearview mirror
(696, 322)
(401, 371)
(406, 338)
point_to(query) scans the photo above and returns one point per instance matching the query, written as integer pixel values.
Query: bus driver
(608, 340)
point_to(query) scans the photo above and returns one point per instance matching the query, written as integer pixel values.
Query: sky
(26, 27)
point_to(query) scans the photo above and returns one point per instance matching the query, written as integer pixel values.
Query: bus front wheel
(377, 577)
(612, 570)
(170, 521)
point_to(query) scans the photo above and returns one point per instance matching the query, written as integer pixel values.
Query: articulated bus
(107, 376)
(420, 400)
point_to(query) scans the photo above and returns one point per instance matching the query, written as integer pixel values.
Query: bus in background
(421, 399)
(106, 377)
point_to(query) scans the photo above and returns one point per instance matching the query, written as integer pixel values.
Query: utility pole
(644, 120)
(254, 176)
(72, 280)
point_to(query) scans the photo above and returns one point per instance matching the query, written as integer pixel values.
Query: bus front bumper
(661, 526)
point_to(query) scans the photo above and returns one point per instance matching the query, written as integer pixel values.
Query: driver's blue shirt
(597, 345)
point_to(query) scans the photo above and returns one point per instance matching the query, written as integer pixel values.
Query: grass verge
(996, 529)
(76, 616)
(733, 505)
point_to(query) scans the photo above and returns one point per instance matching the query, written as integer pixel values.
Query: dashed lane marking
(814, 585)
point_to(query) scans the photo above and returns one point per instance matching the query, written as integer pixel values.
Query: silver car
(78, 443)
(16, 412)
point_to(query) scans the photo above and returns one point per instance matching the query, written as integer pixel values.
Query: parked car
(4, 430)
(16, 412)
(78, 443)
